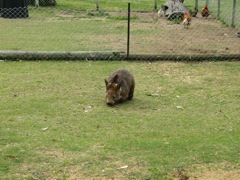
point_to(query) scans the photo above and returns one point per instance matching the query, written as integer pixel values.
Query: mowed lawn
(54, 123)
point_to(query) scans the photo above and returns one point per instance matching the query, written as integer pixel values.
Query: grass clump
(97, 13)
(125, 18)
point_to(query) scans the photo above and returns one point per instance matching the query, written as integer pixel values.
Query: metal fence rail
(78, 31)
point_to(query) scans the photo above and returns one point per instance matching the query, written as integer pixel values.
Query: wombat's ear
(115, 78)
(106, 82)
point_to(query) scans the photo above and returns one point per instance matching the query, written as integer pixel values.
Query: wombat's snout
(110, 103)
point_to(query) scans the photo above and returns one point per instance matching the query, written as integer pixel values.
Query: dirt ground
(207, 172)
(153, 35)
(216, 175)
(208, 175)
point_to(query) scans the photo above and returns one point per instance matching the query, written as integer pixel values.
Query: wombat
(119, 87)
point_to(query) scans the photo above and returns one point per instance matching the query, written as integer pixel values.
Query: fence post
(206, 2)
(97, 5)
(128, 33)
(155, 4)
(36, 3)
(196, 4)
(218, 10)
(233, 12)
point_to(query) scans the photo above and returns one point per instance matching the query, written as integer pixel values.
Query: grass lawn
(55, 123)
(112, 5)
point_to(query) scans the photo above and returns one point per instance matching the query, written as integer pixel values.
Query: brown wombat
(119, 87)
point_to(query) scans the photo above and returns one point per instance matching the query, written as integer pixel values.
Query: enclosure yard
(182, 122)
(107, 31)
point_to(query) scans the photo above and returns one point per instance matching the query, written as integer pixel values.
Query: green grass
(107, 5)
(61, 35)
(55, 123)
(113, 5)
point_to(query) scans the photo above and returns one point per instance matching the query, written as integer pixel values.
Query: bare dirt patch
(207, 172)
(216, 175)
(207, 175)
(152, 35)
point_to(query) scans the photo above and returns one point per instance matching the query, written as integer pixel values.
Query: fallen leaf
(44, 129)
(11, 157)
(179, 107)
(123, 167)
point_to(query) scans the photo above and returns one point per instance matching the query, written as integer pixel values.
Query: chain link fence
(93, 30)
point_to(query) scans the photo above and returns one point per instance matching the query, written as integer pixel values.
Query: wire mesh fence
(58, 29)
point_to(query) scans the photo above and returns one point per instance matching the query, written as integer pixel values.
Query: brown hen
(205, 12)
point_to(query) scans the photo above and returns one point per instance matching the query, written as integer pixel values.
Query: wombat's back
(122, 75)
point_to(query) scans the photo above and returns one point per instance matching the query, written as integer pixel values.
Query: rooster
(205, 12)
(186, 20)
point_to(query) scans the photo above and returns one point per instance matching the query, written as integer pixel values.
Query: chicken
(194, 12)
(205, 12)
(186, 20)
